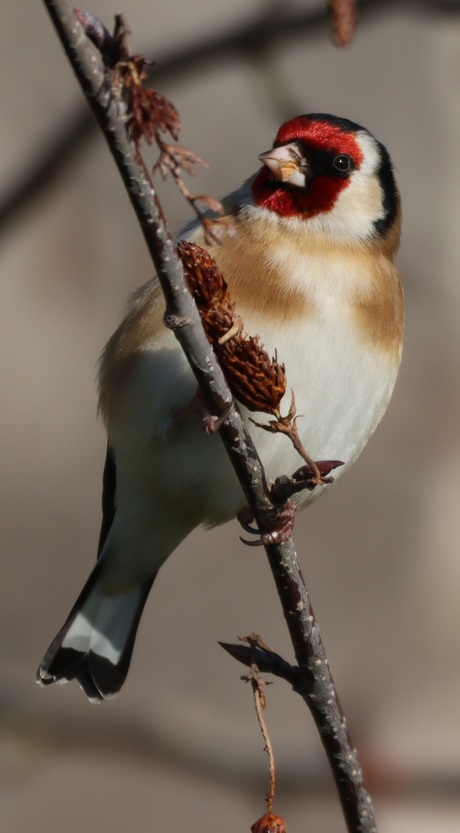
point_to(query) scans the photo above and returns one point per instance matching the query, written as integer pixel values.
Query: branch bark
(315, 685)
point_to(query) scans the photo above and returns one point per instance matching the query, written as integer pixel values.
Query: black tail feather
(99, 640)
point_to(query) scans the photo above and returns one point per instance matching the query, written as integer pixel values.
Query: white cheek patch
(371, 156)
(360, 205)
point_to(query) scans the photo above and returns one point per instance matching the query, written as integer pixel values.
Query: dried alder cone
(150, 112)
(269, 823)
(151, 116)
(257, 381)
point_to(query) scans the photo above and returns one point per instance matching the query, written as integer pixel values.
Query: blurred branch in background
(251, 40)
(343, 16)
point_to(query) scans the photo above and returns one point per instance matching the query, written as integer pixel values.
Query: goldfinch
(311, 271)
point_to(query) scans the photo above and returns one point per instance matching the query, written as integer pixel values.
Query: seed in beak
(286, 164)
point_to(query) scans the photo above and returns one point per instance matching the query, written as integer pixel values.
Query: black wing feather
(109, 488)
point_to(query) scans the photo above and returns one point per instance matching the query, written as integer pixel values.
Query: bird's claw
(211, 422)
(198, 405)
(280, 531)
(245, 518)
(307, 477)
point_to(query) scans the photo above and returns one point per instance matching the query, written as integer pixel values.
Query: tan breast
(284, 280)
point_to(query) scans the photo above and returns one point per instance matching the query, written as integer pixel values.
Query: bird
(311, 270)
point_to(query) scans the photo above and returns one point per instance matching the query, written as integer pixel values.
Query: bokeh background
(179, 748)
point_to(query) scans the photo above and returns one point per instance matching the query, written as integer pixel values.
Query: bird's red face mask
(309, 165)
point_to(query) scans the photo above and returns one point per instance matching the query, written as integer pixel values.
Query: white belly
(342, 388)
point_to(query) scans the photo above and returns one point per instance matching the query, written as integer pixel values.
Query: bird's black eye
(342, 163)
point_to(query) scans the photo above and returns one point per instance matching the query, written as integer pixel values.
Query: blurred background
(180, 746)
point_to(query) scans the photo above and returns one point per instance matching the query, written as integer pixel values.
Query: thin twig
(316, 686)
(257, 685)
(288, 425)
(266, 660)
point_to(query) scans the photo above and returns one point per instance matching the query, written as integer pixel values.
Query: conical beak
(286, 164)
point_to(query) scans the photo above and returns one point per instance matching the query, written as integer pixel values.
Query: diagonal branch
(315, 685)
